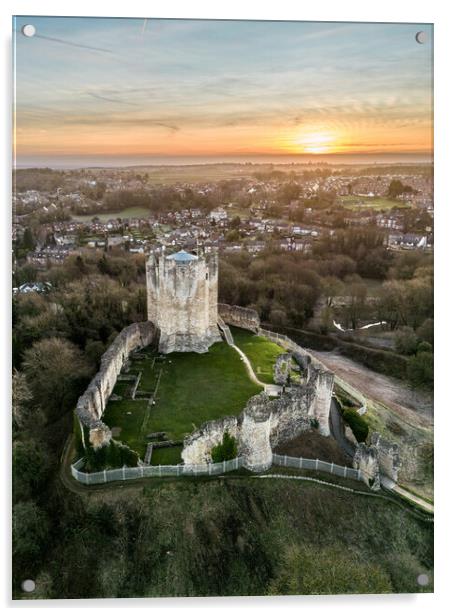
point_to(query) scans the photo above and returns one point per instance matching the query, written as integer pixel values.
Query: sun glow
(317, 142)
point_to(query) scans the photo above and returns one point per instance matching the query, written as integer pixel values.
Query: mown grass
(261, 352)
(193, 388)
(166, 455)
(129, 416)
(353, 202)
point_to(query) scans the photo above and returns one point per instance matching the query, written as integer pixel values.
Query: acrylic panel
(222, 308)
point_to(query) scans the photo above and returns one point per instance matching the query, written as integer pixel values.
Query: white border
(436, 11)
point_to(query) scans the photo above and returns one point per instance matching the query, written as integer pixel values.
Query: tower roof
(182, 257)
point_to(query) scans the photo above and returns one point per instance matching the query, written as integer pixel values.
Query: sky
(124, 91)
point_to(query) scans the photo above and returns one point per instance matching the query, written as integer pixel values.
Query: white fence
(318, 465)
(138, 472)
(178, 470)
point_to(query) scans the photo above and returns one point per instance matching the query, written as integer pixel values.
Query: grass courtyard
(192, 388)
(261, 352)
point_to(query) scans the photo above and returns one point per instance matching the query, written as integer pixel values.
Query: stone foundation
(175, 342)
(281, 369)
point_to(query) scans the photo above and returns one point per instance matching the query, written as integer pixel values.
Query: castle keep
(182, 295)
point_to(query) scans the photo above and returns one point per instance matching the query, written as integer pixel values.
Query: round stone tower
(182, 297)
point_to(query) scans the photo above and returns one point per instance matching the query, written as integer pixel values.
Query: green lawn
(166, 455)
(261, 352)
(193, 388)
(353, 202)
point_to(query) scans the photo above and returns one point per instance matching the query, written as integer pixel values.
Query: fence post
(345, 471)
(160, 470)
(105, 476)
(236, 463)
(142, 471)
(124, 472)
(210, 469)
(301, 462)
(285, 460)
(332, 467)
(316, 464)
(224, 466)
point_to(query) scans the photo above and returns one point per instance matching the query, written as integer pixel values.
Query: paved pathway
(394, 487)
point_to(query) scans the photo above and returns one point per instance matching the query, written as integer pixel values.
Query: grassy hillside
(236, 536)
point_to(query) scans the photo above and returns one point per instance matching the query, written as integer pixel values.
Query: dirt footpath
(391, 392)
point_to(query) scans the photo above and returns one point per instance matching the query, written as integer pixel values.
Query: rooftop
(182, 256)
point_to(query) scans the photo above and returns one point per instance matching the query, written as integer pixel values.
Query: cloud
(110, 100)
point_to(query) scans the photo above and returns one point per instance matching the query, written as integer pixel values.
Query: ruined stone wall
(245, 318)
(366, 460)
(264, 423)
(317, 374)
(182, 297)
(388, 456)
(323, 381)
(378, 459)
(282, 368)
(91, 405)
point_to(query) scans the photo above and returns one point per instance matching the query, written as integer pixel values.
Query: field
(353, 202)
(261, 352)
(192, 388)
(131, 212)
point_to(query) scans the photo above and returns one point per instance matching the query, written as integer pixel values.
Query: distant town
(284, 207)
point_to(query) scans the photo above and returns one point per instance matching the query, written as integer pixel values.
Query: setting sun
(317, 142)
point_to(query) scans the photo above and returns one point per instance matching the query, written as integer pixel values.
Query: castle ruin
(182, 296)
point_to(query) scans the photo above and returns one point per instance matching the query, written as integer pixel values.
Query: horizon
(110, 92)
(332, 160)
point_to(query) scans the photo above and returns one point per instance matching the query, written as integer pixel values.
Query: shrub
(420, 368)
(31, 468)
(357, 423)
(424, 347)
(425, 331)
(406, 341)
(226, 450)
(114, 455)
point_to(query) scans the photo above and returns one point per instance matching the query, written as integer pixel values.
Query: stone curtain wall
(91, 405)
(240, 317)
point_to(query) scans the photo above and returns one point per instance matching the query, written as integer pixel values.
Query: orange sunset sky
(129, 89)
